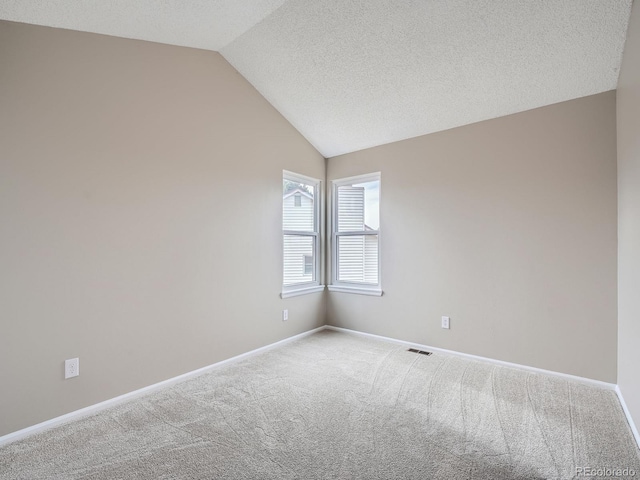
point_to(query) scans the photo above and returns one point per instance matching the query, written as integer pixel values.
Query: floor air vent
(421, 352)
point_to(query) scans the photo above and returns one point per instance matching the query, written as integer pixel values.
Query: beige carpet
(341, 406)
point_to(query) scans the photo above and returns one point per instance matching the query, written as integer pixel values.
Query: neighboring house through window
(300, 234)
(355, 235)
(308, 264)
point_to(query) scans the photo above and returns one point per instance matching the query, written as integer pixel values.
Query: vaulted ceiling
(352, 74)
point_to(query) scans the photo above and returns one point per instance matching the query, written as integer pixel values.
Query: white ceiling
(207, 24)
(351, 74)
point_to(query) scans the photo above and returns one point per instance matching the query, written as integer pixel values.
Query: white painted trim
(90, 410)
(317, 234)
(575, 378)
(302, 291)
(348, 287)
(361, 291)
(364, 178)
(627, 414)
(300, 233)
(76, 415)
(299, 178)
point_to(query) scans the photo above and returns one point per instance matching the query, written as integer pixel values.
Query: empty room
(284, 239)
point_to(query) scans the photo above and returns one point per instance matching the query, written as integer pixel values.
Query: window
(300, 235)
(355, 235)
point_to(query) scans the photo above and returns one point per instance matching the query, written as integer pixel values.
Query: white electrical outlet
(445, 322)
(285, 315)
(71, 367)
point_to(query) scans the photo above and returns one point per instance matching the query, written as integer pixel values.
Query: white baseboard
(90, 410)
(575, 378)
(75, 415)
(627, 414)
(589, 381)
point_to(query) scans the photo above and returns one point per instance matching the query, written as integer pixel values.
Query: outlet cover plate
(445, 322)
(71, 368)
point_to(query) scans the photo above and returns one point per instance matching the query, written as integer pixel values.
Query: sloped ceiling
(354, 74)
(207, 24)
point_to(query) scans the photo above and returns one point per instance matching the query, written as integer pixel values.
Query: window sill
(302, 291)
(376, 291)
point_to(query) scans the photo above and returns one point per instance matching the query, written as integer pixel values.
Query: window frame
(315, 285)
(344, 286)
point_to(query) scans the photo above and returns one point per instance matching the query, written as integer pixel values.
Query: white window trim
(376, 291)
(315, 285)
(301, 291)
(352, 287)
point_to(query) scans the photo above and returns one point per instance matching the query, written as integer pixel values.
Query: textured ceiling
(208, 24)
(353, 74)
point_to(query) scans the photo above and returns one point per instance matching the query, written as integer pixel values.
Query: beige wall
(137, 180)
(629, 219)
(507, 226)
(140, 217)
